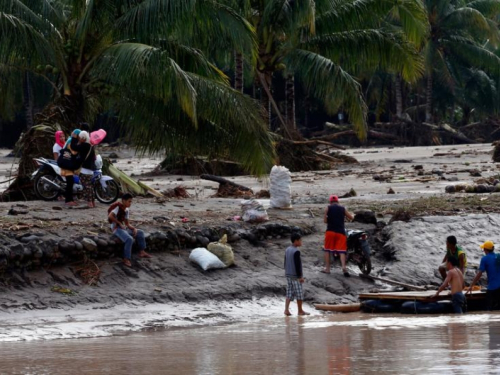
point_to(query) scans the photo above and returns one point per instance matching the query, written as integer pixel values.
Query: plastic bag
(223, 251)
(280, 189)
(253, 211)
(205, 259)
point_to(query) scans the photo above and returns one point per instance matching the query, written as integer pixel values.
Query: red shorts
(335, 242)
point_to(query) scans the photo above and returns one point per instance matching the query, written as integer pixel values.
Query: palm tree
(142, 59)
(457, 45)
(322, 44)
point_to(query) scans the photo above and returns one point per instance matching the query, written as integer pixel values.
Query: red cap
(334, 198)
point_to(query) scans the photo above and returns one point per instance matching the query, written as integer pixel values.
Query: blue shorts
(458, 302)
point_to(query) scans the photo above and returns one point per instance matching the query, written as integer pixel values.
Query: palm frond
(328, 82)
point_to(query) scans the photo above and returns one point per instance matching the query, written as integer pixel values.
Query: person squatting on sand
(120, 226)
(491, 264)
(453, 251)
(335, 237)
(455, 279)
(294, 276)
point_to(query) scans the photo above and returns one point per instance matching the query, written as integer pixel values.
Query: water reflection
(334, 344)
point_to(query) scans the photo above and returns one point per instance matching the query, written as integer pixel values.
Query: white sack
(280, 189)
(253, 211)
(205, 259)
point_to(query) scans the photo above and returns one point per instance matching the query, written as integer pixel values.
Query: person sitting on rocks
(119, 219)
(453, 251)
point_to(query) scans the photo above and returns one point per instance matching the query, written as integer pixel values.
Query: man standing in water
(491, 264)
(453, 251)
(335, 237)
(455, 279)
(294, 276)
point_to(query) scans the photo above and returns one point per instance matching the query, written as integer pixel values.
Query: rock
(57, 208)
(475, 173)
(202, 240)
(16, 251)
(113, 155)
(420, 172)
(14, 212)
(30, 238)
(89, 245)
(66, 246)
(417, 167)
(450, 189)
(453, 179)
(102, 243)
(78, 246)
(439, 172)
(365, 216)
(390, 191)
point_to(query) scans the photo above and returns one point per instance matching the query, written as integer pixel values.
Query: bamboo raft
(418, 296)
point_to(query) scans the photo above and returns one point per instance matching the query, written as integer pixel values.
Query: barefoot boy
(293, 272)
(456, 281)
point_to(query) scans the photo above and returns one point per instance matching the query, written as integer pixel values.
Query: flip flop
(323, 271)
(146, 255)
(346, 274)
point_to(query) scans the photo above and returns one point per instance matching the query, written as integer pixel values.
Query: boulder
(89, 245)
(365, 216)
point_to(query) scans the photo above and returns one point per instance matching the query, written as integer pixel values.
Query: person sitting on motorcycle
(67, 174)
(87, 154)
(335, 236)
(58, 146)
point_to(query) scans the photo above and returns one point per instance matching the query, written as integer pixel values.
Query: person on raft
(294, 276)
(453, 251)
(455, 279)
(491, 264)
(120, 226)
(335, 237)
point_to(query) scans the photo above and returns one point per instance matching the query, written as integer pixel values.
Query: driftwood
(223, 181)
(318, 142)
(339, 308)
(392, 282)
(352, 133)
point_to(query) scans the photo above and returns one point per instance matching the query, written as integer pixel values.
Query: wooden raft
(418, 296)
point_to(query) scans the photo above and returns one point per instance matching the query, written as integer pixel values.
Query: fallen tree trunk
(223, 181)
(318, 142)
(352, 133)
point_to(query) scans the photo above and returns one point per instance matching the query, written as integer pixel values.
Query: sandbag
(280, 189)
(205, 259)
(253, 211)
(222, 251)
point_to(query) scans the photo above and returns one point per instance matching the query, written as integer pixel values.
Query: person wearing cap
(453, 251)
(491, 264)
(335, 237)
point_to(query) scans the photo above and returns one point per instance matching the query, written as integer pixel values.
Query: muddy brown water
(329, 344)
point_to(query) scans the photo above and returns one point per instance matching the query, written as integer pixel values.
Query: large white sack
(205, 259)
(253, 211)
(280, 189)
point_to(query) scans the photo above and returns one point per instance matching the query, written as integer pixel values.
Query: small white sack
(253, 211)
(280, 189)
(205, 259)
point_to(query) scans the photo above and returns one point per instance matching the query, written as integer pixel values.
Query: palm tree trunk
(238, 71)
(290, 101)
(399, 95)
(264, 98)
(28, 101)
(428, 99)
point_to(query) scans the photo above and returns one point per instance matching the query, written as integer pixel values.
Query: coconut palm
(143, 60)
(324, 43)
(457, 47)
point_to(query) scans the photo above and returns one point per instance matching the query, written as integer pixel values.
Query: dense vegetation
(214, 77)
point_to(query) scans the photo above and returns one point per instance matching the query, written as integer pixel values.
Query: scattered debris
(177, 192)
(401, 215)
(391, 191)
(350, 193)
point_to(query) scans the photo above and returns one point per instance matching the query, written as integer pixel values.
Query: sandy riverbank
(408, 252)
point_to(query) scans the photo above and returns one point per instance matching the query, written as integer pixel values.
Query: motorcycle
(49, 183)
(358, 250)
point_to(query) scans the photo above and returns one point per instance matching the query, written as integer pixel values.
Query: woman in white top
(58, 146)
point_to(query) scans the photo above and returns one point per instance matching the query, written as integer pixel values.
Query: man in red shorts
(335, 237)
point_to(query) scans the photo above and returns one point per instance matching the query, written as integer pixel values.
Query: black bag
(67, 160)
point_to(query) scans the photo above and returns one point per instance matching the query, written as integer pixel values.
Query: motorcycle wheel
(43, 190)
(366, 265)
(109, 195)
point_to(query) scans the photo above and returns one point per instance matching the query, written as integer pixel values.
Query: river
(325, 344)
